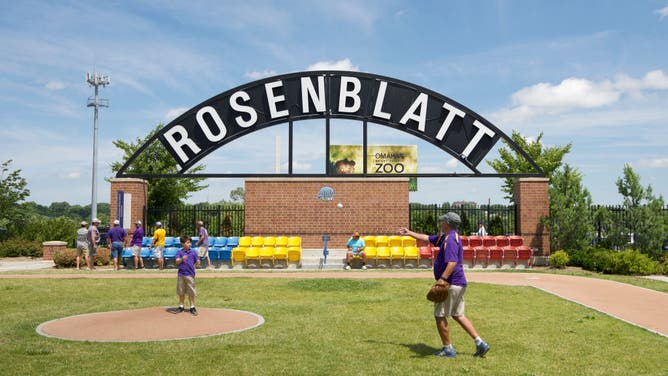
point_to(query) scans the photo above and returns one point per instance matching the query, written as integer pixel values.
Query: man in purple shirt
(449, 272)
(136, 242)
(203, 243)
(116, 241)
(186, 260)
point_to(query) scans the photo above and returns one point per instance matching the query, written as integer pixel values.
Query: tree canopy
(13, 190)
(569, 222)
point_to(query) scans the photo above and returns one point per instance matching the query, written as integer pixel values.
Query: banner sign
(413, 109)
(381, 160)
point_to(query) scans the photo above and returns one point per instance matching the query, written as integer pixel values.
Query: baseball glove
(438, 293)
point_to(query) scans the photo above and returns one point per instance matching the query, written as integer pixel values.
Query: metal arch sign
(413, 109)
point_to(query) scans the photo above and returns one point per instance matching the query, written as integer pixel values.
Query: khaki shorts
(203, 251)
(157, 251)
(135, 250)
(82, 250)
(185, 286)
(453, 305)
(91, 250)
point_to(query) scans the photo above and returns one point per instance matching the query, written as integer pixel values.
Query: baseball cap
(117, 222)
(95, 220)
(158, 224)
(83, 223)
(356, 234)
(451, 218)
(138, 223)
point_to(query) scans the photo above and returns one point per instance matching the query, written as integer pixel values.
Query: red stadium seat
(474, 241)
(510, 256)
(426, 255)
(465, 241)
(524, 255)
(516, 241)
(481, 256)
(488, 241)
(502, 241)
(469, 257)
(495, 257)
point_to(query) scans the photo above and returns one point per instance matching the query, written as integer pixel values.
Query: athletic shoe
(481, 349)
(175, 310)
(363, 267)
(193, 311)
(347, 267)
(446, 353)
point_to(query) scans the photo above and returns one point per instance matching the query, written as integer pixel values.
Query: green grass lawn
(325, 326)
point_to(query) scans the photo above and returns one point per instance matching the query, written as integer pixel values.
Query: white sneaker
(347, 267)
(363, 267)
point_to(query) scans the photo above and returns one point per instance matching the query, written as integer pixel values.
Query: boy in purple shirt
(186, 260)
(136, 242)
(449, 272)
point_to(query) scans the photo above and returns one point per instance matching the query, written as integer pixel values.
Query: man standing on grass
(449, 272)
(203, 243)
(116, 241)
(159, 242)
(93, 239)
(82, 244)
(136, 242)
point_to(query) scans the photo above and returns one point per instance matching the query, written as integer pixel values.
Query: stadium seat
(282, 241)
(169, 254)
(214, 256)
(193, 241)
(475, 241)
(294, 241)
(524, 256)
(369, 241)
(469, 257)
(481, 256)
(225, 255)
(267, 257)
(394, 241)
(408, 241)
(411, 256)
(397, 256)
(221, 242)
(488, 241)
(516, 241)
(253, 257)
(381, 241)
(177, 243)
(233, 241)
(502, 241)
(169, 241)
(294, 255)
(147, 256)
(245, 241)
(465, 241)
(426, 257)
(370, 252)
(269, 241)
(509, 257)
(495, 257)
(239, 255)
(281, 257)
(257, 241)
(146, 241)
(383, 256)
(126, 257)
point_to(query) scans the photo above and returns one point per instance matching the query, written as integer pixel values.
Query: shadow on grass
(421, 350)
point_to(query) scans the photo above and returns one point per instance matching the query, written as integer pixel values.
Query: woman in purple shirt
(448, 271)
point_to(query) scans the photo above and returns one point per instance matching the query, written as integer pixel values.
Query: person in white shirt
(481, 229)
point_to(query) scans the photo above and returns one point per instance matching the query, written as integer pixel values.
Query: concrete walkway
(635, 305)
(15, 266)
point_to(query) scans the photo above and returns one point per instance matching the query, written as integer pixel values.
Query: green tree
(155, 159)
(549, 159)
(238, 194)
(12, 191)
(643, 214)
(569, 221)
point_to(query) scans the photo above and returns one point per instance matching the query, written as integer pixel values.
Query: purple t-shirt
(450, 251)
(205, 234)
(116, 234)
(187, 267)
(137, 237)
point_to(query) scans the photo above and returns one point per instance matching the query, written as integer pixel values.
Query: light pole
(96, 81)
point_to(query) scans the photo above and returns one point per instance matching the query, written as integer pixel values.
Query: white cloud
(452, 163)
(55, 85)
(663, 12)
(256, 75)
(74, 175)
(654, 163)
(344, 65)
(174, 113)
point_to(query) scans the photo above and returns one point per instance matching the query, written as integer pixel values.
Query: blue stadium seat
(169, 241)
(169, 254)
(221, 241)
(233, 241)
(225, 254)
(146, 241)
(177, 242)
(126, 258)
(194, 240)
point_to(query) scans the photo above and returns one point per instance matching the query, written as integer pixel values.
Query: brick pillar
(533, 204)
(136, 192)
(50, 248)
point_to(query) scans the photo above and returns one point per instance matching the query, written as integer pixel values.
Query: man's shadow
(421, 350)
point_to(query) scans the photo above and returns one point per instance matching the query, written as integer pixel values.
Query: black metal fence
(219, 220)
(498, 219)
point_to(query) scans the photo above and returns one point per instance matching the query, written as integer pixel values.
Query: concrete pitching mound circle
(149, 324)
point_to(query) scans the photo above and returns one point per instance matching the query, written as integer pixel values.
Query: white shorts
(203, 251)
(453, 305)
(157, 251)
(135, 250)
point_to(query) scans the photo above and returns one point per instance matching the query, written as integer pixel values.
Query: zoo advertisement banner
(381, 159)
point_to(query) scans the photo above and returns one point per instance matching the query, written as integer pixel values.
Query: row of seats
(472, 241)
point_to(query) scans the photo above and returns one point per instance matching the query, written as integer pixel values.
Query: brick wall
(288, 206)
(533, 204)
(138, 188)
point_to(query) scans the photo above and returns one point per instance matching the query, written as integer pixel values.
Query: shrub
(42, 229)
(612, 262)
(633, 263)
(67, 258)
(19, 247)
(558, 259)
(102, 256)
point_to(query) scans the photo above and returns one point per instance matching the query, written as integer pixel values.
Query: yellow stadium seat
(281, 257)
(270, 241)
(267, 257)
(369, 241)
(381, 241)
(282, 241)
(294, 255)
(411, 256)
(370, 255)
(245, 241)
(382, 256)
(239, 254)
(257, 241)
(408, 241)
(394, 241)
(294, 241)
(397, 257)
(253, 256)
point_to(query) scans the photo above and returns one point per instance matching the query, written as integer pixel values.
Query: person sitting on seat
(355, 249)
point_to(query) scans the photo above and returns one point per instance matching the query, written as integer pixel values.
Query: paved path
(636, 305)
(15, 266)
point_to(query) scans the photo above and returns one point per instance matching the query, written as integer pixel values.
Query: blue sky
(594, 74)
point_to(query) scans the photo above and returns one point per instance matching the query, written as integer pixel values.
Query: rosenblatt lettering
(308, 95)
